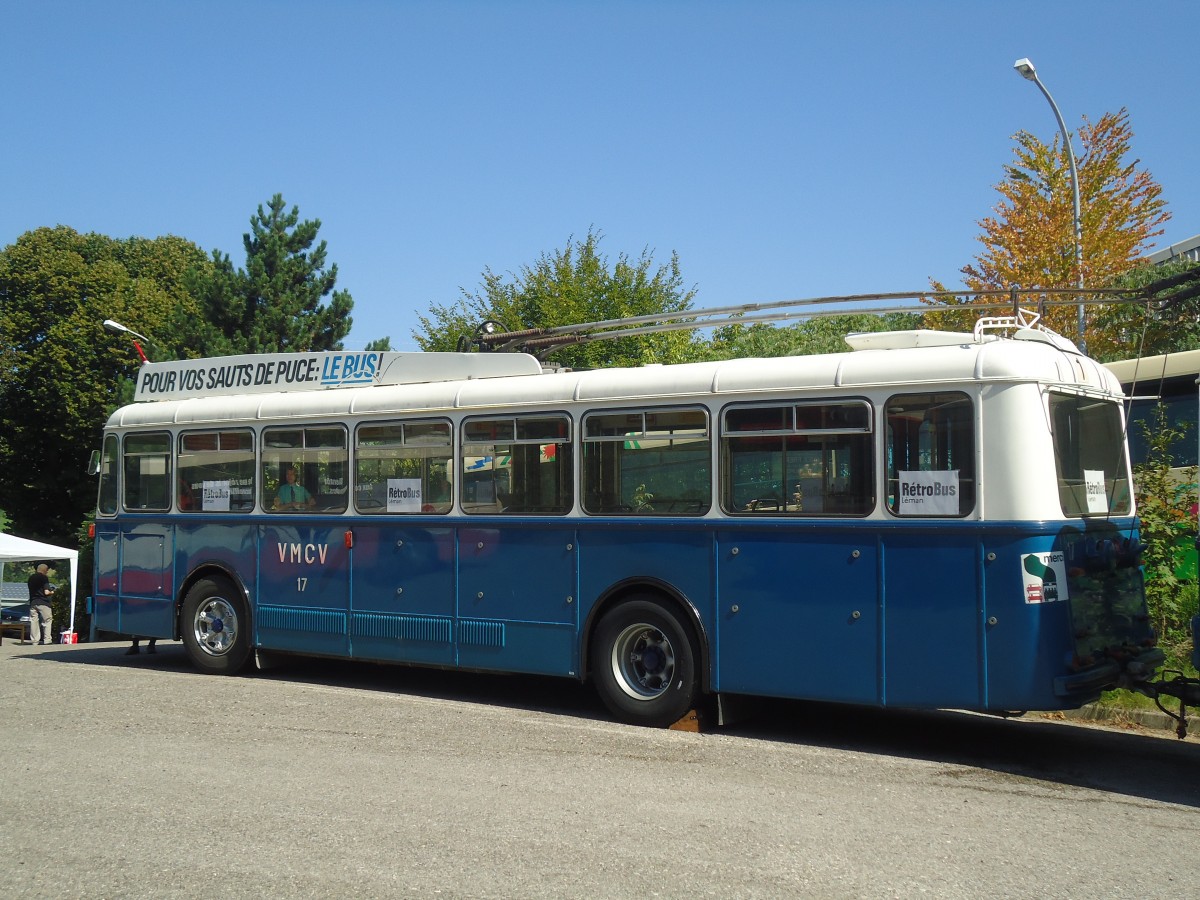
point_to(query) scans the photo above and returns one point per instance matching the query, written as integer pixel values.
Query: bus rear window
(1089, 454)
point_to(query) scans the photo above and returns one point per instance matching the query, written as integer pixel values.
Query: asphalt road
(137, 777)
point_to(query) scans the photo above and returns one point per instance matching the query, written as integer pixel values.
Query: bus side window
(403, 468)
(647, 463)
(518, 465)
(931, 454)
(320, 457)
(216, 471)
(799, 459)
(147, 469)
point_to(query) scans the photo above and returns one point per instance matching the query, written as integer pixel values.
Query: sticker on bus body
(1044, 576)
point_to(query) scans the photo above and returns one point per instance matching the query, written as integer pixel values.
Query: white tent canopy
(16, 549)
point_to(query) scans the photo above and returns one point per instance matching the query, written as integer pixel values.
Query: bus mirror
(94, 463)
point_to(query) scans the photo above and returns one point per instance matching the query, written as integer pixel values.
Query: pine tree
(277, 303)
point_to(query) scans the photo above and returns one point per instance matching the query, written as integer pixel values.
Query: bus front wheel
(216, 627)
(644, 664)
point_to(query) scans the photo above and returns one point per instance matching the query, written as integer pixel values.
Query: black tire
(215, 626)
(644, 664)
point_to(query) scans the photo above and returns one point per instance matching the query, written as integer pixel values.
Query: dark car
(14, 615)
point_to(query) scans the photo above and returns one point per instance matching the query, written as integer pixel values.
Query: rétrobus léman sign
(273, 372)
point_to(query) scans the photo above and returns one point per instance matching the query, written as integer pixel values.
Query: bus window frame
(780, 504)
(426, 506)
(509, 503)
(197, 496)
(643, 503)
(892, 471)
(110, 482)
(166, 475)
(308, 466)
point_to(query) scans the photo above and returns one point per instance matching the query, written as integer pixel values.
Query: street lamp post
(1025, 68)
(118, 328)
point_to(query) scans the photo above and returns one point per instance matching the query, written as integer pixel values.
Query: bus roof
(901, 361)
(1152, 368)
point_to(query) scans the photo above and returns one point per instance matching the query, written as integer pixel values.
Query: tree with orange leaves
(1030, 240)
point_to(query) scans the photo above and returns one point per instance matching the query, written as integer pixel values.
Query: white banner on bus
(272, 372)
(404, 495)
(215, 496)
(928, 493)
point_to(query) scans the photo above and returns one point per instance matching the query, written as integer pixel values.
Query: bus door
(303, 588)
(516, 598)
(144, 548)
(146, 605)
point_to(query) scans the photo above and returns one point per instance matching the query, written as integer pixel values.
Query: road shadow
(1150, 765)
(1135, 763)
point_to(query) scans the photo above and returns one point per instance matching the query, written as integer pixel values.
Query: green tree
(567, 287)
(826, 334)
(277, 303)
(1166, 509)
(1030, 241)
(1125, 330)
(59, 370)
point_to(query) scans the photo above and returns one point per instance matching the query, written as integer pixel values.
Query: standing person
(134, 650)
(41, 617)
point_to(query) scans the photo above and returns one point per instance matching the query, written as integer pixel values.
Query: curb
(1119, 716)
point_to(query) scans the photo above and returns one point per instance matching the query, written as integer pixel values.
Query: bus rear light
(349, 540)
(91, 531)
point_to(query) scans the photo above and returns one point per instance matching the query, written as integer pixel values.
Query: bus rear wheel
(216, 627)
(644, 664)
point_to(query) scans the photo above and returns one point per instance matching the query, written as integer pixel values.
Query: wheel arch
(647, 588)
(213, 568)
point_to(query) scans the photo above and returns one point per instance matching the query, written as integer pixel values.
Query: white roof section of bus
(1149, 369)
(916, 367)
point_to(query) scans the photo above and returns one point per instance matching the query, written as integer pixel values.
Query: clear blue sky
(781, 149)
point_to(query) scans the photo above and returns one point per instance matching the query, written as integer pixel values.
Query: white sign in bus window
(215, 496)
(403, 495)
(1097, 491)
(928, 493)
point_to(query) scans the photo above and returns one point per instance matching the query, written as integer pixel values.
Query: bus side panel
(799, 613)
(402, 606)
(932, 617)
(1030, 643)
(654, 551)
(303, 589)
(147, 605)
(516, 598)
(106, 610)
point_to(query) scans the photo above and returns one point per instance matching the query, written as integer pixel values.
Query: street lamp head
(114, 327)
(1026, 69)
